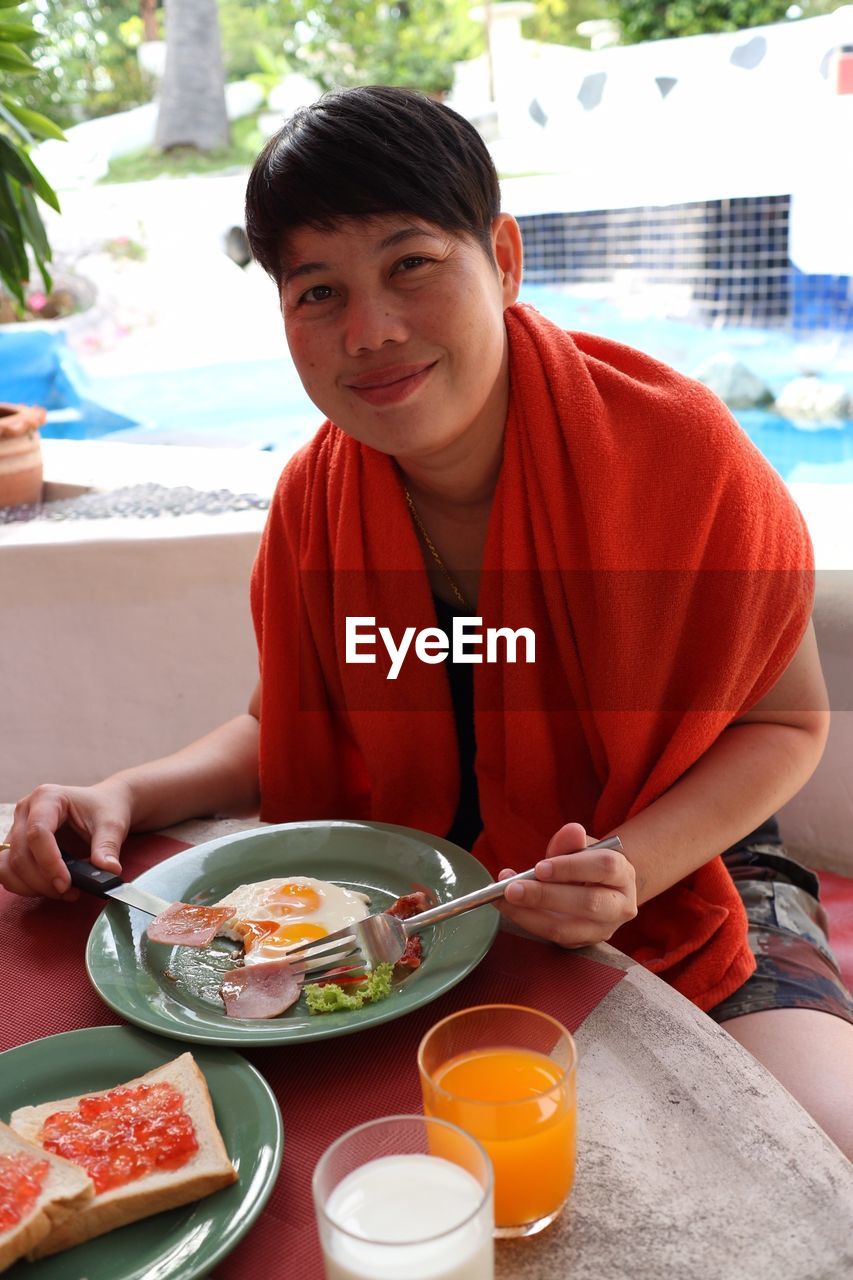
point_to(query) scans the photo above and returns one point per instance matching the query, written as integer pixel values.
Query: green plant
(85, 59)
(410, 42)
(273, 68)
(21, 227)
(132, 32)
(642, 20)
(247, 24)
(556, 21)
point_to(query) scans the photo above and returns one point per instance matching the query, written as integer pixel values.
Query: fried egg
(271, 915)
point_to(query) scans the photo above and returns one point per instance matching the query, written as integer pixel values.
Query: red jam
(21, 1178)
(124, 1134)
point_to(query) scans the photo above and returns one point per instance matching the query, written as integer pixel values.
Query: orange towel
(662, 566)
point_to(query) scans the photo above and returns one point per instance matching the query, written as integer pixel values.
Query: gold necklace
(433, 550)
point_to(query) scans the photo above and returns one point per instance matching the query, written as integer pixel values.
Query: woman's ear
(509, 255)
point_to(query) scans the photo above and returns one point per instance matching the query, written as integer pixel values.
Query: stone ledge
(139, 501)
(105, 464)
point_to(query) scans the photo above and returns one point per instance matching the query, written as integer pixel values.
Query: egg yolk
(251, 932)
(293, 899)
(287, 936)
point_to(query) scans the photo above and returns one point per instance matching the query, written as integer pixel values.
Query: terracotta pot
(20, 454)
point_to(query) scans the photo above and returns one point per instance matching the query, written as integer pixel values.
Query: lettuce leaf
(331, 998)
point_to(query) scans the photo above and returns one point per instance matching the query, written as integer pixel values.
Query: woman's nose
(370, 324)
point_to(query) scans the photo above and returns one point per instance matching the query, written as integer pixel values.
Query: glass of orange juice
(506, 1075)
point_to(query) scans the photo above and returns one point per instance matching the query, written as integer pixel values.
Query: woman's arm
(217, 773)
(758, 762)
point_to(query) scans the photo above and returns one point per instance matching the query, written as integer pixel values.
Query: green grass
(180, 162)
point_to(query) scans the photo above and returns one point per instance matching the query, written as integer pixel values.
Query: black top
(467, 824)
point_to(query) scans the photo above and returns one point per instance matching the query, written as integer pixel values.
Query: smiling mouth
(387, 386)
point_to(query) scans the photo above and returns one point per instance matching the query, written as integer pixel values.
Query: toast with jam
(147, 1145)
(38, 1192)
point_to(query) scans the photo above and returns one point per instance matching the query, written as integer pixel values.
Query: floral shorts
(788, 934)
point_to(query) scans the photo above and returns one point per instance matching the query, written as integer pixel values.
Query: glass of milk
(405, 1196)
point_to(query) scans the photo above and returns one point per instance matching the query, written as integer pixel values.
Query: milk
(409, 1197)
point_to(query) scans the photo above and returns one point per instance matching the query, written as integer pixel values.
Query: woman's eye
(317, 293)
(416, 260)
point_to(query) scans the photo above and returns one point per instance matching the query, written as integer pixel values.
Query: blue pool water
(257, 403)
(824, 455)
(261, 404)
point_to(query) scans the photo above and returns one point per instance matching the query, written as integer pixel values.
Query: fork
(381, 938)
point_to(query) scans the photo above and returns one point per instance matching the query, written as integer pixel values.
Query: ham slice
(261, 990)
(185, 925)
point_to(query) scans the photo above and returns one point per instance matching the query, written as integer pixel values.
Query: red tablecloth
(322, 1088)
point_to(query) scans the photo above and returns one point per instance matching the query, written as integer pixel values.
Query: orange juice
(521, 1106)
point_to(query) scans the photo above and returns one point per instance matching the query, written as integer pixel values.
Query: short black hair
(375, 149)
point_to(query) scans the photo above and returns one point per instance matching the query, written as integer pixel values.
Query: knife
(104, 884)
(182, 924)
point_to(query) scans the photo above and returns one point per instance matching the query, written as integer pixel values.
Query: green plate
(182, 1243)
(174, 990)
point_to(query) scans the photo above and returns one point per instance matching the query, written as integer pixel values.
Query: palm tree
(192, 94)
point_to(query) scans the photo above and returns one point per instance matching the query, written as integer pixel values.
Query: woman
(652, 668)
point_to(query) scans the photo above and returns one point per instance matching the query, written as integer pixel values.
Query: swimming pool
(261, 404)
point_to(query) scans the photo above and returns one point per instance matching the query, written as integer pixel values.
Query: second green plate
(179, 1244)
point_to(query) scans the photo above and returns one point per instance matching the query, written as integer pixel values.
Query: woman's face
(396, 328)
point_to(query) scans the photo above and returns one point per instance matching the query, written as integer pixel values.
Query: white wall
(120, 647)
